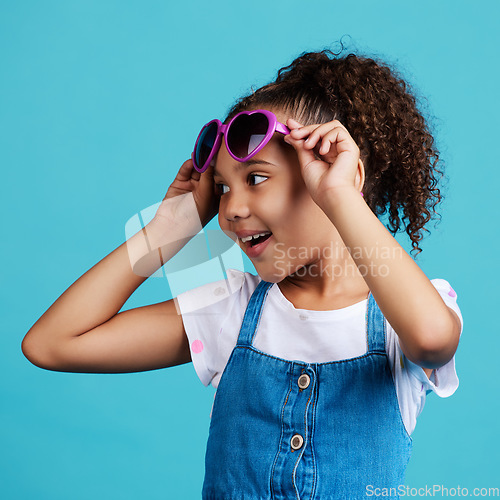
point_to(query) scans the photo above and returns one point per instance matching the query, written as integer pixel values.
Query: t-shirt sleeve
(204, 310)
(411, 382)
(444, 380)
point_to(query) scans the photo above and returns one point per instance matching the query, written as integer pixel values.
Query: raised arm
(428, 330)
(83, 331)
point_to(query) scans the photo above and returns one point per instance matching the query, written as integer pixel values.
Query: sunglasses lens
(205, 144)
(247, 133)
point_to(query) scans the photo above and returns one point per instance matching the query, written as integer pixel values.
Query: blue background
(100, 103)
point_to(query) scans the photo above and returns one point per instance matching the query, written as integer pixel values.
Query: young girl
(323, 361)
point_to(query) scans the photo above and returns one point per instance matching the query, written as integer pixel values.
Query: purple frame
(274, 126)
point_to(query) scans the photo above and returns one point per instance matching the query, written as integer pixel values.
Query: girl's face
(267, 194)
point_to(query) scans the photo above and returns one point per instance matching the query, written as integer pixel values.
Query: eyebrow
(246, 164)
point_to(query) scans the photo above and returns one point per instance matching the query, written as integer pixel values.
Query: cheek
(288, 203)
(220, 217)
(306, 223)
(223, 222)
(278, 210)
(302, 209)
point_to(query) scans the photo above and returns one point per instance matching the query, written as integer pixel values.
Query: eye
(257, 178)
(221, 188)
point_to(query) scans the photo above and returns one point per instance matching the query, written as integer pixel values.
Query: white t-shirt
(212, 315)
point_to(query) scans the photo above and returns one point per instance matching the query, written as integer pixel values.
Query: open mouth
(256, 244)
(259, 239)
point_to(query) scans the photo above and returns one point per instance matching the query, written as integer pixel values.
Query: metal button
(304, 381)
(297, 441)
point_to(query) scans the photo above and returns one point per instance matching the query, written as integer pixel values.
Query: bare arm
(83, 330)
(428, 330)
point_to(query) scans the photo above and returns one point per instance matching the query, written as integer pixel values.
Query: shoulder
(443, 286)
(450, 298)
(217, 295)
(211, 315)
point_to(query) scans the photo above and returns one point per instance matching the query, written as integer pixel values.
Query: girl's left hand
(328, 156)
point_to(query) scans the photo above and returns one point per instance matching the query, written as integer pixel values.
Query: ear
(360, 176)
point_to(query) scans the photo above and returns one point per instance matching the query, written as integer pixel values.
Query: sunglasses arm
(282, 129)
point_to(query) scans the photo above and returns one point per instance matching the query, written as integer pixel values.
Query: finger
(320, 132)
(207, 178)
(311, 134)
(300, 133)
(338, 135)
(185, 172)
(333, 136)
(326, 144)
(305, 156)
(293, 124)
(344, 141)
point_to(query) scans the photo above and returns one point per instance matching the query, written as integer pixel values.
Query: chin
(270, 275)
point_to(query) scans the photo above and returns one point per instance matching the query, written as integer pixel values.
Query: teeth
(255, 236)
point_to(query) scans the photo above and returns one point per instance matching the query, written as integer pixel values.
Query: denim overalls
(292, 430)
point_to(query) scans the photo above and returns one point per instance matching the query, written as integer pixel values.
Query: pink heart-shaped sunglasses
(245, 135)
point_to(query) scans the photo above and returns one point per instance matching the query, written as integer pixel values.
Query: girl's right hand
(189, 180)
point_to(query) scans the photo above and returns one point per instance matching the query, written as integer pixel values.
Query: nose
(234, 206)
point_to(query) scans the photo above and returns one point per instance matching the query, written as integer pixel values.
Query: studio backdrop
(100, 104)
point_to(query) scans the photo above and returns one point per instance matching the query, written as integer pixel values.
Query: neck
(329, 282)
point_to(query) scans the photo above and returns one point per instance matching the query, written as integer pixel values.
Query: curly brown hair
(375, 105)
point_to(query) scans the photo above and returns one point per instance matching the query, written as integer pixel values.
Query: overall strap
(375, 326)
(253, 313)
